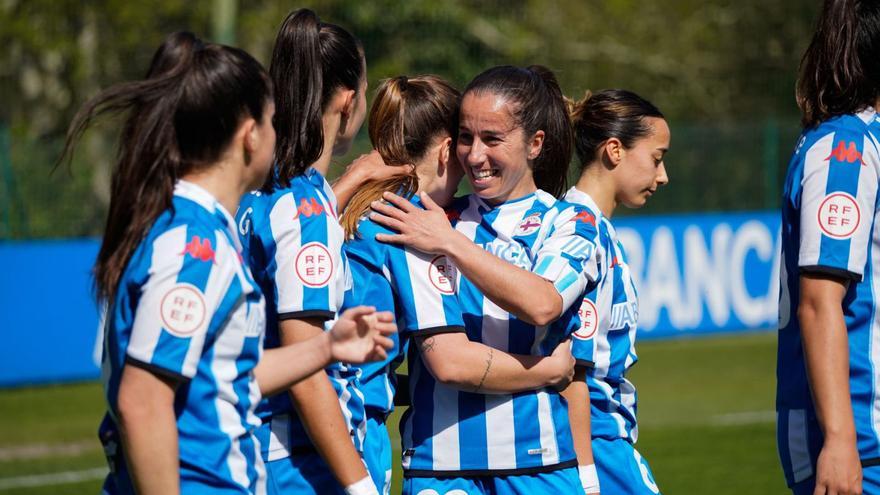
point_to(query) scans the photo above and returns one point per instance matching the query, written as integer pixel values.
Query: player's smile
(493, 150)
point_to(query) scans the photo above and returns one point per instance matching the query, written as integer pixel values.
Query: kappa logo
(442, 274)
(846, 153)
(309, 208)
(585, 217)
(199, 249)
(839, 215)
(314, 266)
(183, 309)
(529, 225)
(589, 320)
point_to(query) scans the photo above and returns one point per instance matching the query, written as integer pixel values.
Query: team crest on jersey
(183, 309)
(442, 274)
(589, 320)
(199, 249)
(314, 266)
(529, 225)
(839, 215)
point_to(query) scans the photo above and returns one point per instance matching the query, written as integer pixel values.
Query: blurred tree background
(722, 71)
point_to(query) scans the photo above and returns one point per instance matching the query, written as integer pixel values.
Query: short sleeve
(308, 257)
(425, 287)
(838, 197)
(568, 256)
(188, 288)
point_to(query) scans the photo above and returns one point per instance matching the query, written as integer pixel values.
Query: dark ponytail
(538, 104)
(612, 113)
(310, 61)
(840, 71)
(179, 119)
(407, 115)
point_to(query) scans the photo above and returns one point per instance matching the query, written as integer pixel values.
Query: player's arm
(365, 168)
(317, 406)
(358, 336)
(457, 362)
(148, 429)
(505, 284)
(826, 351)
(577, 394)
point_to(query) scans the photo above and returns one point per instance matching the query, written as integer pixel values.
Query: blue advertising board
(695, 274)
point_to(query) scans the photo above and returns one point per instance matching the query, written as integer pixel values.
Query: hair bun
(576, 108)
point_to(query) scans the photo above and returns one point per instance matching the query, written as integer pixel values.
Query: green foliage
(720, 70)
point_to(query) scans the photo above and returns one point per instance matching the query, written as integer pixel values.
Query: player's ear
(444, 154)
(612, 152)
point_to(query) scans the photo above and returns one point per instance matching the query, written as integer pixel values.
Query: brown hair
(611, 113)
(181, 117)
(310, 61)
(539, 105)
(406, 116)
(840, 71)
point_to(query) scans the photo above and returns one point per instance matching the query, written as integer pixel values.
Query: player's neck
(217, 181)
(600, 187)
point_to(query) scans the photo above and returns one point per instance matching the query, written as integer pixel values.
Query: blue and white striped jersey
(448, 430)
(293, 241)
(828, 226)
(609, 319)
(418, 288)
(188, 308)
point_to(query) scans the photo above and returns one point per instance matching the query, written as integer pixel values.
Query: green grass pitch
(705, 416)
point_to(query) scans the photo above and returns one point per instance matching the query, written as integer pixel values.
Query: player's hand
(563, 364)
(361, 334)
(427, 230)
(371, 167)
(838, 470)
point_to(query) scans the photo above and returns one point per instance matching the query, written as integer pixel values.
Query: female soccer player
(415, 120)
(621, 140)
(311, 436)
(183, 364)
(514, 143)
(827, 367)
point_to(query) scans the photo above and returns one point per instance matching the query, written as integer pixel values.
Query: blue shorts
(303, 474)
(562, 481)
(621, 469)
(377, 452)
(870, 483)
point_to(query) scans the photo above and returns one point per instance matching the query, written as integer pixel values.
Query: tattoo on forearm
(486, 372)
(427, 345)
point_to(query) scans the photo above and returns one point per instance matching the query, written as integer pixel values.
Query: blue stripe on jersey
(472, 431)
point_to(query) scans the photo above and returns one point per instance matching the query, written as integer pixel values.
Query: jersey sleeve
(425, 287)
(568, 256)
(583, 342)
(307, 259)
(838, 197)
(188, 290)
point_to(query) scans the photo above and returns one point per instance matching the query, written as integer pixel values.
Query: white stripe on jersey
(229, 343)
(608, 392)
(811, 198)
(628, 400)
(279, 438)
(428, 303)
(604, 299)
(875, 327)
(286, 231)
(147, 328)
(797, 445)
(500, 431)
(549, 448)
(860, 242)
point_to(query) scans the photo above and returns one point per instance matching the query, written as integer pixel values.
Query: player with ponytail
(182, 363)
